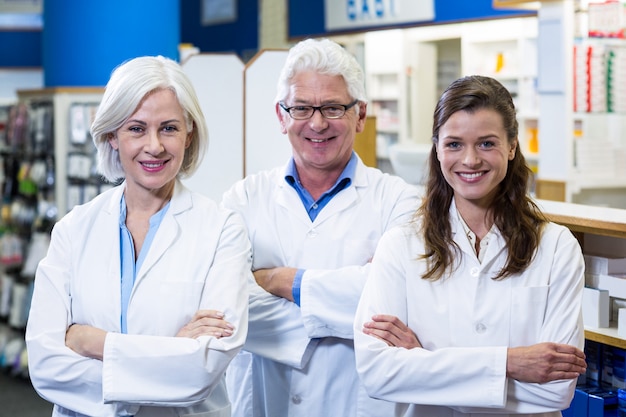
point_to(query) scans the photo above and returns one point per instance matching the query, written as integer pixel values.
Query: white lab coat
(304, 357)
(465, 323)
(200, 259)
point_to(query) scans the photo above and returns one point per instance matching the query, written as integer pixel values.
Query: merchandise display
(46, 167)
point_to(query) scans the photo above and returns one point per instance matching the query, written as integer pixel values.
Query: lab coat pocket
(528, 307)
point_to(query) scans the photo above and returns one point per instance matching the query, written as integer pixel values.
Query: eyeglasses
(329, 111)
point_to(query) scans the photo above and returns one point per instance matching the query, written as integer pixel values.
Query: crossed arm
(538, 363)
(88, 341)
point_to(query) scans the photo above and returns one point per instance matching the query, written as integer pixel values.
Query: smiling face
(473, 151)
(320, 144)
(152, 143)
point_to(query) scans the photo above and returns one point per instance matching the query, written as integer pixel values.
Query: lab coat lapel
(347, 197)
(340, 202)
(287, 199)
(169, 229)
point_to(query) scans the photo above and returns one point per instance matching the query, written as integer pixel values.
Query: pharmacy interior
(564, 61)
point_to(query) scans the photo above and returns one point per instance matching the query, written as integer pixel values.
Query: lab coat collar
(288, 197)
(496, 245)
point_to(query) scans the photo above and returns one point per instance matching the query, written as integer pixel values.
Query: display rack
(48, 161)
(407, 69)
(603, 224)
(568, 161)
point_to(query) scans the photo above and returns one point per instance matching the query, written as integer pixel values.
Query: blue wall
(240, 37)
(20, 48)
(83, 41)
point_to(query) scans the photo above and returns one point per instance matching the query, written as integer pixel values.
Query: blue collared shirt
(313, 207)
(127, 254)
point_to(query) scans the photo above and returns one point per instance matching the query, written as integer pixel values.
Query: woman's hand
(85, 340)
(392, 331)
(545, 362)
(207, 323)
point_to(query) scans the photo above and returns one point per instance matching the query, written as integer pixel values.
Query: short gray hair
(324, 57)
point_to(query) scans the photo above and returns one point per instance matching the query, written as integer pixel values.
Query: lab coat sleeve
(58, 374)
(277, 333)
(329, 298)
(183, 371)
(449, 376)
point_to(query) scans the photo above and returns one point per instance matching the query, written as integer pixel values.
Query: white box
(604, 265)
(596, 307)
(614, 284)
(621, 323)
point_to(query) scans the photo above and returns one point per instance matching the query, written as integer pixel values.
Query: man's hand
(392, 331)
(277, 281)
(206, 323)
(545, 362)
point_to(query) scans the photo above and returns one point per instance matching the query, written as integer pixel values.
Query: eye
(135, 129)
(453, 145)
(333, 109)
(487, 144)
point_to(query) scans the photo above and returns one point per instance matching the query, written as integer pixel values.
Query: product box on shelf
(596, 307)
(604, 265)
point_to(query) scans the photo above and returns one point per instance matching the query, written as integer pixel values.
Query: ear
(282, 118)
(360, 124)
(112, 139)
(512, 150)
(188, 139)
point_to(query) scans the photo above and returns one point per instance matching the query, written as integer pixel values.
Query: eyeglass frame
(346, 107)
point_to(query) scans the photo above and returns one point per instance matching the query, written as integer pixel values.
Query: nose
(317, 121)
(154, 146)
(471, 157)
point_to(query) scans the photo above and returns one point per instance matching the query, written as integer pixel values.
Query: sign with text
(348, 14)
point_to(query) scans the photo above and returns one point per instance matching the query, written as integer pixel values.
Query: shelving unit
(48, 159)
(408, 69)
(62, 100)
(576, 169)
(386, 86)
(588, 222)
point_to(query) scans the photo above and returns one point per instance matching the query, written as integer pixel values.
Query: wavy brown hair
(519, 219)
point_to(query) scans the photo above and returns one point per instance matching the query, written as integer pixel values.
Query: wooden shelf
(602, 221)
(607, 336)
(517, 4)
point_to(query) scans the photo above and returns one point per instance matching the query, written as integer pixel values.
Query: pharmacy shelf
(588, 222)
(605, 335)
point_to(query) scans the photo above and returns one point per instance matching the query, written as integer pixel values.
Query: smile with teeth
(318, 140)
(152, 164)
(471, 176)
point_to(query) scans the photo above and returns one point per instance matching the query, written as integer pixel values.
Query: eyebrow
(165, 122)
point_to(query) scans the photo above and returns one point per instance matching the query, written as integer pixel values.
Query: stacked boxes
(601, 392)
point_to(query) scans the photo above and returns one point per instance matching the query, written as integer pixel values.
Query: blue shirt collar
(291, 174)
